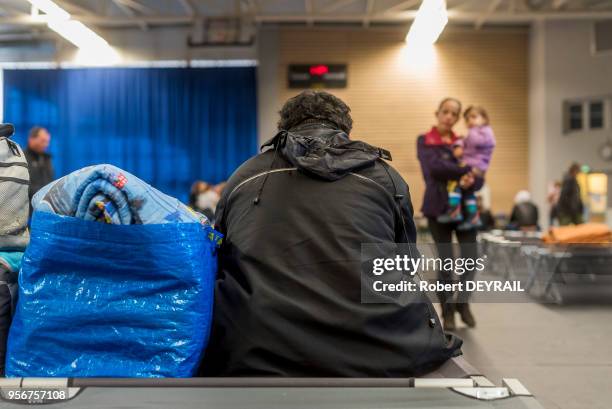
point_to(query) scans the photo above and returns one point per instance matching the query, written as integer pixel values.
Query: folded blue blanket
(108, 194)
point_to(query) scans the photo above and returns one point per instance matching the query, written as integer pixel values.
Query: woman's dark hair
(315, 105)
(445, 100)
(574, 168)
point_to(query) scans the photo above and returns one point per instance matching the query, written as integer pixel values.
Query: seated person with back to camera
(288, 291)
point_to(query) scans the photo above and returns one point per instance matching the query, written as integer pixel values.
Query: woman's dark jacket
(570, 201)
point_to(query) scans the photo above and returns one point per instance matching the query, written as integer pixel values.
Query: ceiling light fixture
(430, 20)
(97, 49)
(51, 9)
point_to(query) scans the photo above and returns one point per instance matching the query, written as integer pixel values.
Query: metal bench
(456, 384)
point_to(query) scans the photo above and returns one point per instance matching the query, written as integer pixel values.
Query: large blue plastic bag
(100, 300)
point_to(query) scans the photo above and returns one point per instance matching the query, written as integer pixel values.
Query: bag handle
(6, 131)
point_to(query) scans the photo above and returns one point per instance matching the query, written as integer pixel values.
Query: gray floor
(562, 354)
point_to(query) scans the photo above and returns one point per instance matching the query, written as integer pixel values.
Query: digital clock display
(317, 76)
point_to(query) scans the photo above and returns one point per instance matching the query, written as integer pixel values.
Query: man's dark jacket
(41, 170)
(287, 298)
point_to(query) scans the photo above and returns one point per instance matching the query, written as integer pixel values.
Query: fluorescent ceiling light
(98, 57)
(78, 34)
(93, 49)
(51, 9)
(428, 24)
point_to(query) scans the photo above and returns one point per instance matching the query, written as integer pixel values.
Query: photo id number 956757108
(33, 396)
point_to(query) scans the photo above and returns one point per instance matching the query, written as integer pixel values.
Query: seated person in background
(475, 151)
(203, 199)
(524, 213)
(199, 186)
(288, 291)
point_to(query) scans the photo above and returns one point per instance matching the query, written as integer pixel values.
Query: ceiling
(16, 19)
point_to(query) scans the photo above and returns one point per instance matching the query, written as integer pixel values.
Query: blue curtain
(167, 126)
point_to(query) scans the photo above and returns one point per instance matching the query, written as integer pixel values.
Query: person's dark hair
(35, 131)
(574, 169)
(445, 100)
(199, 186)
(315, 105)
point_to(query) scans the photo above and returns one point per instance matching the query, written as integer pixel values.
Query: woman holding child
(453, 169)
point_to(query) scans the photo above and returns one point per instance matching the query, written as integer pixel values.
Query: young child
(475, 151)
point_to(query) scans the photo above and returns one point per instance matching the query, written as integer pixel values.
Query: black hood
(324, 151)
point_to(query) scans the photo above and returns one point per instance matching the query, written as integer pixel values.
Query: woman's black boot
(466, 315)
(448, 317)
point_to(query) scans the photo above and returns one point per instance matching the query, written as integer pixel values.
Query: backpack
(14, 183)
(14, 237)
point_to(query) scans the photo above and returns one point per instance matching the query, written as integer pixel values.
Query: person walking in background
(524, 214)
(570, 207)
(39, 161)
(439, 166)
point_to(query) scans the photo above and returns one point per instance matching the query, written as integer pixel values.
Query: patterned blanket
(107, 194)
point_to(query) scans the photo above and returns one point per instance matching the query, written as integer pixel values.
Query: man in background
(39, 161)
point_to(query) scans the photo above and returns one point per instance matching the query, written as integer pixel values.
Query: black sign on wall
(317, 76)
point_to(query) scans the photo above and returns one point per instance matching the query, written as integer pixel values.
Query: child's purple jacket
(478, 147)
